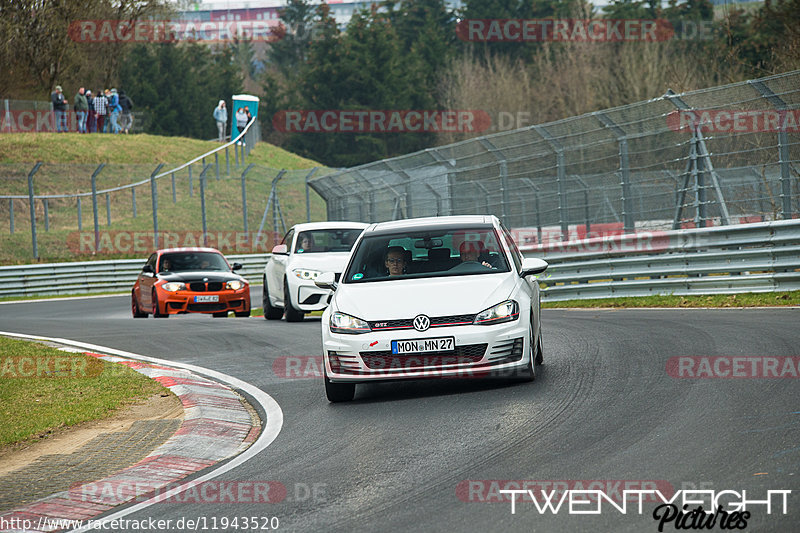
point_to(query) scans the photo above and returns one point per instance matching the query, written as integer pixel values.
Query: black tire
(338, 392)
(270, 311)
(292, 314)
(156, 312)
(221, 314)
(135, 310)
(528, 373)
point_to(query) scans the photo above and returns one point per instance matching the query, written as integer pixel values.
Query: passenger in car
(395, 260)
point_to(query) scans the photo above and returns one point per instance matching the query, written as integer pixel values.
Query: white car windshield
(327, 240)
(423, 254)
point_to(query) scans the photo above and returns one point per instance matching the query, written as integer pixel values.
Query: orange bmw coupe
(189, 280)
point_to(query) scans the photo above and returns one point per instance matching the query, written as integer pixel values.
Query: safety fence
(710, 157)
(733, 259)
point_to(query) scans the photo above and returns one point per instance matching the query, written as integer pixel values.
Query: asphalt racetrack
(671, 399)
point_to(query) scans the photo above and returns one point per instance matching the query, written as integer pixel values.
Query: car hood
(199, 275)
(443, 296)
(324, 262)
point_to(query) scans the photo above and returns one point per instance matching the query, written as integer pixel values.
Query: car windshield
(326, 240)
(424, 254)
(182, 261)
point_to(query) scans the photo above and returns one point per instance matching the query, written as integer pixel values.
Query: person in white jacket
(221, 116)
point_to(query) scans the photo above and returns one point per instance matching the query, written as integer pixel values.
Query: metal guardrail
(760, 257)
(96, 276)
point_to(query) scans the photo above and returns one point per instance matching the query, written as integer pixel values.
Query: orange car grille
(200, 286)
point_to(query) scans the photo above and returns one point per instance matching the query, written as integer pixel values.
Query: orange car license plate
(207, 298)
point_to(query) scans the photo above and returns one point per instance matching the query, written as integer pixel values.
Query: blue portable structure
(242, 100)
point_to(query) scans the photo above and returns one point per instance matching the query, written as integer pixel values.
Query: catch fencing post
(133, 200)
(628, 220)
(80, 216)
(173, 188)
(191, 183)
(11, 209)
(108, 210)
(500, 157)
(227, 163)
(560, 179)
(216, 163)
(154, 196)
(94, 206)
(203, 202)
(46, 205)
(33, 171)
(244, 198)
(308, 199)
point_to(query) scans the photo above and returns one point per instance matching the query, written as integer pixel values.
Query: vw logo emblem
(421, 323)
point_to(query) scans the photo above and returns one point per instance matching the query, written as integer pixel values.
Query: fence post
(133, 199)
(33, 171)
(191, 183)
(628, 220)
(46, 214)
(236, 154)
(216, 163)
(501, 160)
(244, 198)
(80, 217)
(108, 209)
(560, 179)
(308, 198)
(173, 188)
(11, 209)
(94, 206)
(154, 197)
(203, 202)
(783, 147)
(227, 163)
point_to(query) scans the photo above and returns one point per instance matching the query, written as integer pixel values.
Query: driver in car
(470, 250)
(395, 260)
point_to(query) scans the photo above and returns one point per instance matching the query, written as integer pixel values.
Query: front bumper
(185, 301)
(307, 297)
(480, 352)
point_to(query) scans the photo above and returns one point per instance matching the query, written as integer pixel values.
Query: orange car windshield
(181, 262)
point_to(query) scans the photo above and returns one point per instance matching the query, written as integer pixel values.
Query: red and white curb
(216, 427)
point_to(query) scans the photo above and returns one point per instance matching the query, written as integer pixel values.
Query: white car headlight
(310, 275)
(342, 323)
(174, 286)
(234, 284)
(502, 312)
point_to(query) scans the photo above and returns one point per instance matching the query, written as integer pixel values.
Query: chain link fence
(717, 156)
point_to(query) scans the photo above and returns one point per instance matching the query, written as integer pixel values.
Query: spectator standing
(241, 120)
(81, 107)
(114, 111)
(60, 108)
(126, 119)
(101, 110)
(91, 121)
(221, 116)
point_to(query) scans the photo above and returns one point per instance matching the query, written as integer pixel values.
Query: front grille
(466, 354)
(506, 351)
(211, 286)
(209, 306)
(436, 322)
(214, 286)
(198, 286)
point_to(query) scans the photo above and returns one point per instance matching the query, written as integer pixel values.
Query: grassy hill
(70, 159)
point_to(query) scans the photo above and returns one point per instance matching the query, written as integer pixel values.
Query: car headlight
(342, 323)
(310, 275)
(234, 285)
(174, 286)
(502, 312)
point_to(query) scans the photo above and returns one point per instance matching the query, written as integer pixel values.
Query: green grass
(43, 389)
(767, 299)
(70, 160)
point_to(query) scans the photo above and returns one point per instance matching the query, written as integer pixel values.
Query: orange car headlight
(235, 285)
(174, 286)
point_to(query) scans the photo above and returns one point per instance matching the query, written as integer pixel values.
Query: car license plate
(440, 344)
(207, 298)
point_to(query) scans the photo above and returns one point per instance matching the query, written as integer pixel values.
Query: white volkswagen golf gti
(431, 297)
(306, 251)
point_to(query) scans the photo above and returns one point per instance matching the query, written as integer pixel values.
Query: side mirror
(236, 266)
(280, 249)
(326, 280)
(148, 269)
(532, 265)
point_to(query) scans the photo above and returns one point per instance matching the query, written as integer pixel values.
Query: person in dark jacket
(81, 107)
(126, 119)
(60, 108)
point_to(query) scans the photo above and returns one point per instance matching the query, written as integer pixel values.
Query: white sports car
(431, 297)
(305, 251)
